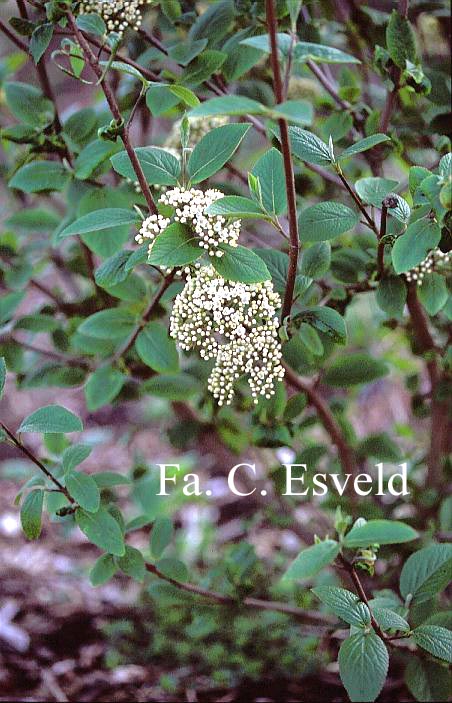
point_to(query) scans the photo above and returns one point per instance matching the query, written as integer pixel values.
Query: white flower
(189, 207)
(199, 127)
(234, 323)
(434, 261)
(118, 15)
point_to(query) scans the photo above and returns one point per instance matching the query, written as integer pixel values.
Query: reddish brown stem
(272, 25)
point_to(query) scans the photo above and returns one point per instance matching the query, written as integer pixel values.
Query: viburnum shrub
(240, 212)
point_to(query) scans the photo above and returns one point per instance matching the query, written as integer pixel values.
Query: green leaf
(214, 150)
(113, 270)
(427, 680)
(91, 23)
(433, 292)
(380, 446)
(184, 52)
(40, 40)
(311, 339)
(412, 247)
(311, 560)
(108, 324)
(436, 640)
(103, 570)
(203, 66)
(374, 190)
(159, 166)
(92, 156)
(400, 40)
(50, 419)
(214, 23)
(269, 169)
(353, 369)
(308, 51)
(84, 490)
(160, 99)
(326, 220)
(363, 666)
(328, 321)
(426, 572)
(2, 375)
(161, 535)
(364, 145)
(40, 176)
(8, 304)
(74, 455)
(173, 386)
(185, 95)
(31, 514)
(235, 206)
(240, 264)
(173, 569)
(132, 564)
(277, 263)
(156, 349)
(34, 220)
(109, 479)
(176, 246)
(391, 295)
(316, 260)
(379, 532)
(98, 220)
(28, 104)
(296, 111)
(102, 530)
(389, 620)
(228, 105)
(307, 147)
(102, 387)
(344, 604)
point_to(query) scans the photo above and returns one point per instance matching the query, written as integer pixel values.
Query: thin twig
(29, 454)
(294, 245)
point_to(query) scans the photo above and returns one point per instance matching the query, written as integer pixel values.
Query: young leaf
(436, 640)
(2, 375)
(84, 490)
(214, 150)
(400, 40)
(240, 264)
(344, 604)
(426, 572)
(316, 260)
(102, 530)
(307, 147)
(161, 535)
(363, 666)
(176, 246)
(269, 169)
(159, 166)
(379, 532)
(236, 206)
(373, 191)
(96, 221)
(311, 560)
(40, 40)
(50, 419)
(156, 349)
(74, 455)
(353, 369)
(132, 563)
(433, 292)
(391, 295)
(326, 220)
(103, 570)
(31, 514)
(115, 323)
(40, 176)
(363, 145)
(412, 247)
(102, 387)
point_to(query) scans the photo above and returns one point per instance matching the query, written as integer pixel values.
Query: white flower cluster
(235, 324)
(188, 208)
(435, 260)
(118, 15)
